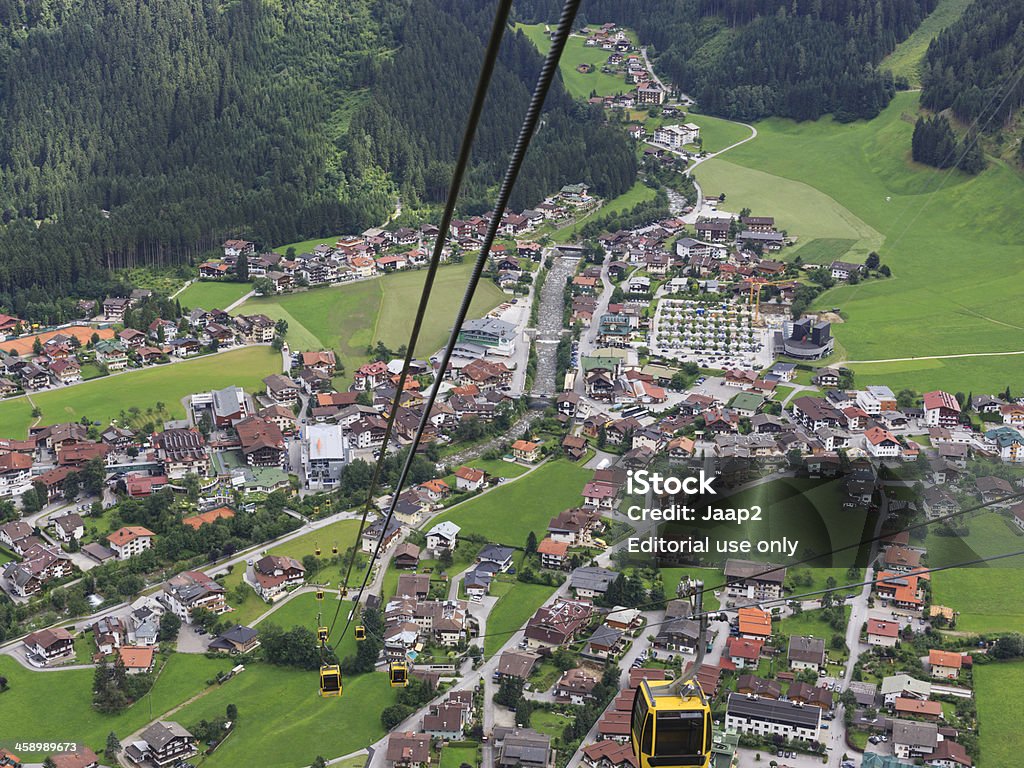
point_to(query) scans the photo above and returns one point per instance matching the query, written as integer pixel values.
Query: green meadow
(579, 85)
(350, 317)
(951, 240)
(209, 295)
(103, 399)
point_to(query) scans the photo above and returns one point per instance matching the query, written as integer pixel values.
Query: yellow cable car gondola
(671, 722)
(671, 725)
(330, 680)
(319, 594)
(360, 632)
(321, 635)
(316, 549)
(334, 548)
(398, 673)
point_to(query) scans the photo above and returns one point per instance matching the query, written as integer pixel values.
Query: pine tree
(242, 268)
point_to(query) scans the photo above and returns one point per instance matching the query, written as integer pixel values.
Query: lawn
(811, 623)
(990, 534)
(536, 498)
(713, 578)
(638, 193)
(283, 722)
(967, 374)
(341, 532)
(798, 208)
(513, 609)
(551, 723)
(302, 611)
(104, 399)
(578, 84)
(988, 599)
(68, 701)
(350, 317)
(1000, 692)
(210, 294)
(453, 757)
(906, 60)
(818, 580)
(855, 181)
(716, 134)
(824, 250)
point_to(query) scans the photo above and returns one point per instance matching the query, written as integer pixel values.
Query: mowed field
(210, 295)
(350, 317)
(283, 722)
(999, 690)
(952, 241)
(578, 84)
(103, 399)
(512, 611)
(68, 701)
(988, 599)
(507, 514)
(906, 60)
(967, 374)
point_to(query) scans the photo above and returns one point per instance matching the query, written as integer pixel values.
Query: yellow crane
(754, 291)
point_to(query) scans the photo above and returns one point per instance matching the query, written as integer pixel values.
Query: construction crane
(754, 291)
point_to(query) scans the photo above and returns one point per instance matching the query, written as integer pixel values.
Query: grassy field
(638, 193)
(68, 697)
(104, 399)
(988, 599)
(967, 374)
(905, 61)
(535, 498)
(578, 84)
(856, 181)
(302, 611)
(350, 317)
(212, 295)
(453, 757)
(283, 722)
(512, 611)
(810, 623)
(990, 534)
(999, 688)
(712, 577)
(798, 208)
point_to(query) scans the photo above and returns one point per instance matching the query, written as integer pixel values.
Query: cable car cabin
(330, 680)
(320, 594)
(316, 550)
(399, 674)
(334, 549)
(360, 632)
(321, 634)
(671, 725)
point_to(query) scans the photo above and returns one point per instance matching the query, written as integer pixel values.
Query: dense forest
(973, 67)
(138, 132)
(414, 123)
(747, 59)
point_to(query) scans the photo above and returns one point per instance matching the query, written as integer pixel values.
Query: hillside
(748, 60)
(141, 132)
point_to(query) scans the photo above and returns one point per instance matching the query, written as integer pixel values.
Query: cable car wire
(526, 131)
(501, 16)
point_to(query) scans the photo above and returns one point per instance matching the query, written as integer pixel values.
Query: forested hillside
(974, 66)
(144, 131)
(414, 123)
(748, 59)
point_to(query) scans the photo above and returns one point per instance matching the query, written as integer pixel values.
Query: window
(640, 718)
(680, 733)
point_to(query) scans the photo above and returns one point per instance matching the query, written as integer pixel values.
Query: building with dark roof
(767, 717)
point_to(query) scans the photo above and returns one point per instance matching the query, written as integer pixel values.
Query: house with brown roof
(883, 633)
(322, 361)
(130, 540)
(407, 555)
(262, 442)
(407, 749)
(526, 451)
(518, 664)
(553, 554)
(945, 664)
(137, 659)
(576, 686)
(49, 645)
(469, 479)
(273, 574)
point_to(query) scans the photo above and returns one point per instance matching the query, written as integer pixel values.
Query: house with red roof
(883, 633)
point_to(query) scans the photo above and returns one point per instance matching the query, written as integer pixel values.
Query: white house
(444, 535)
